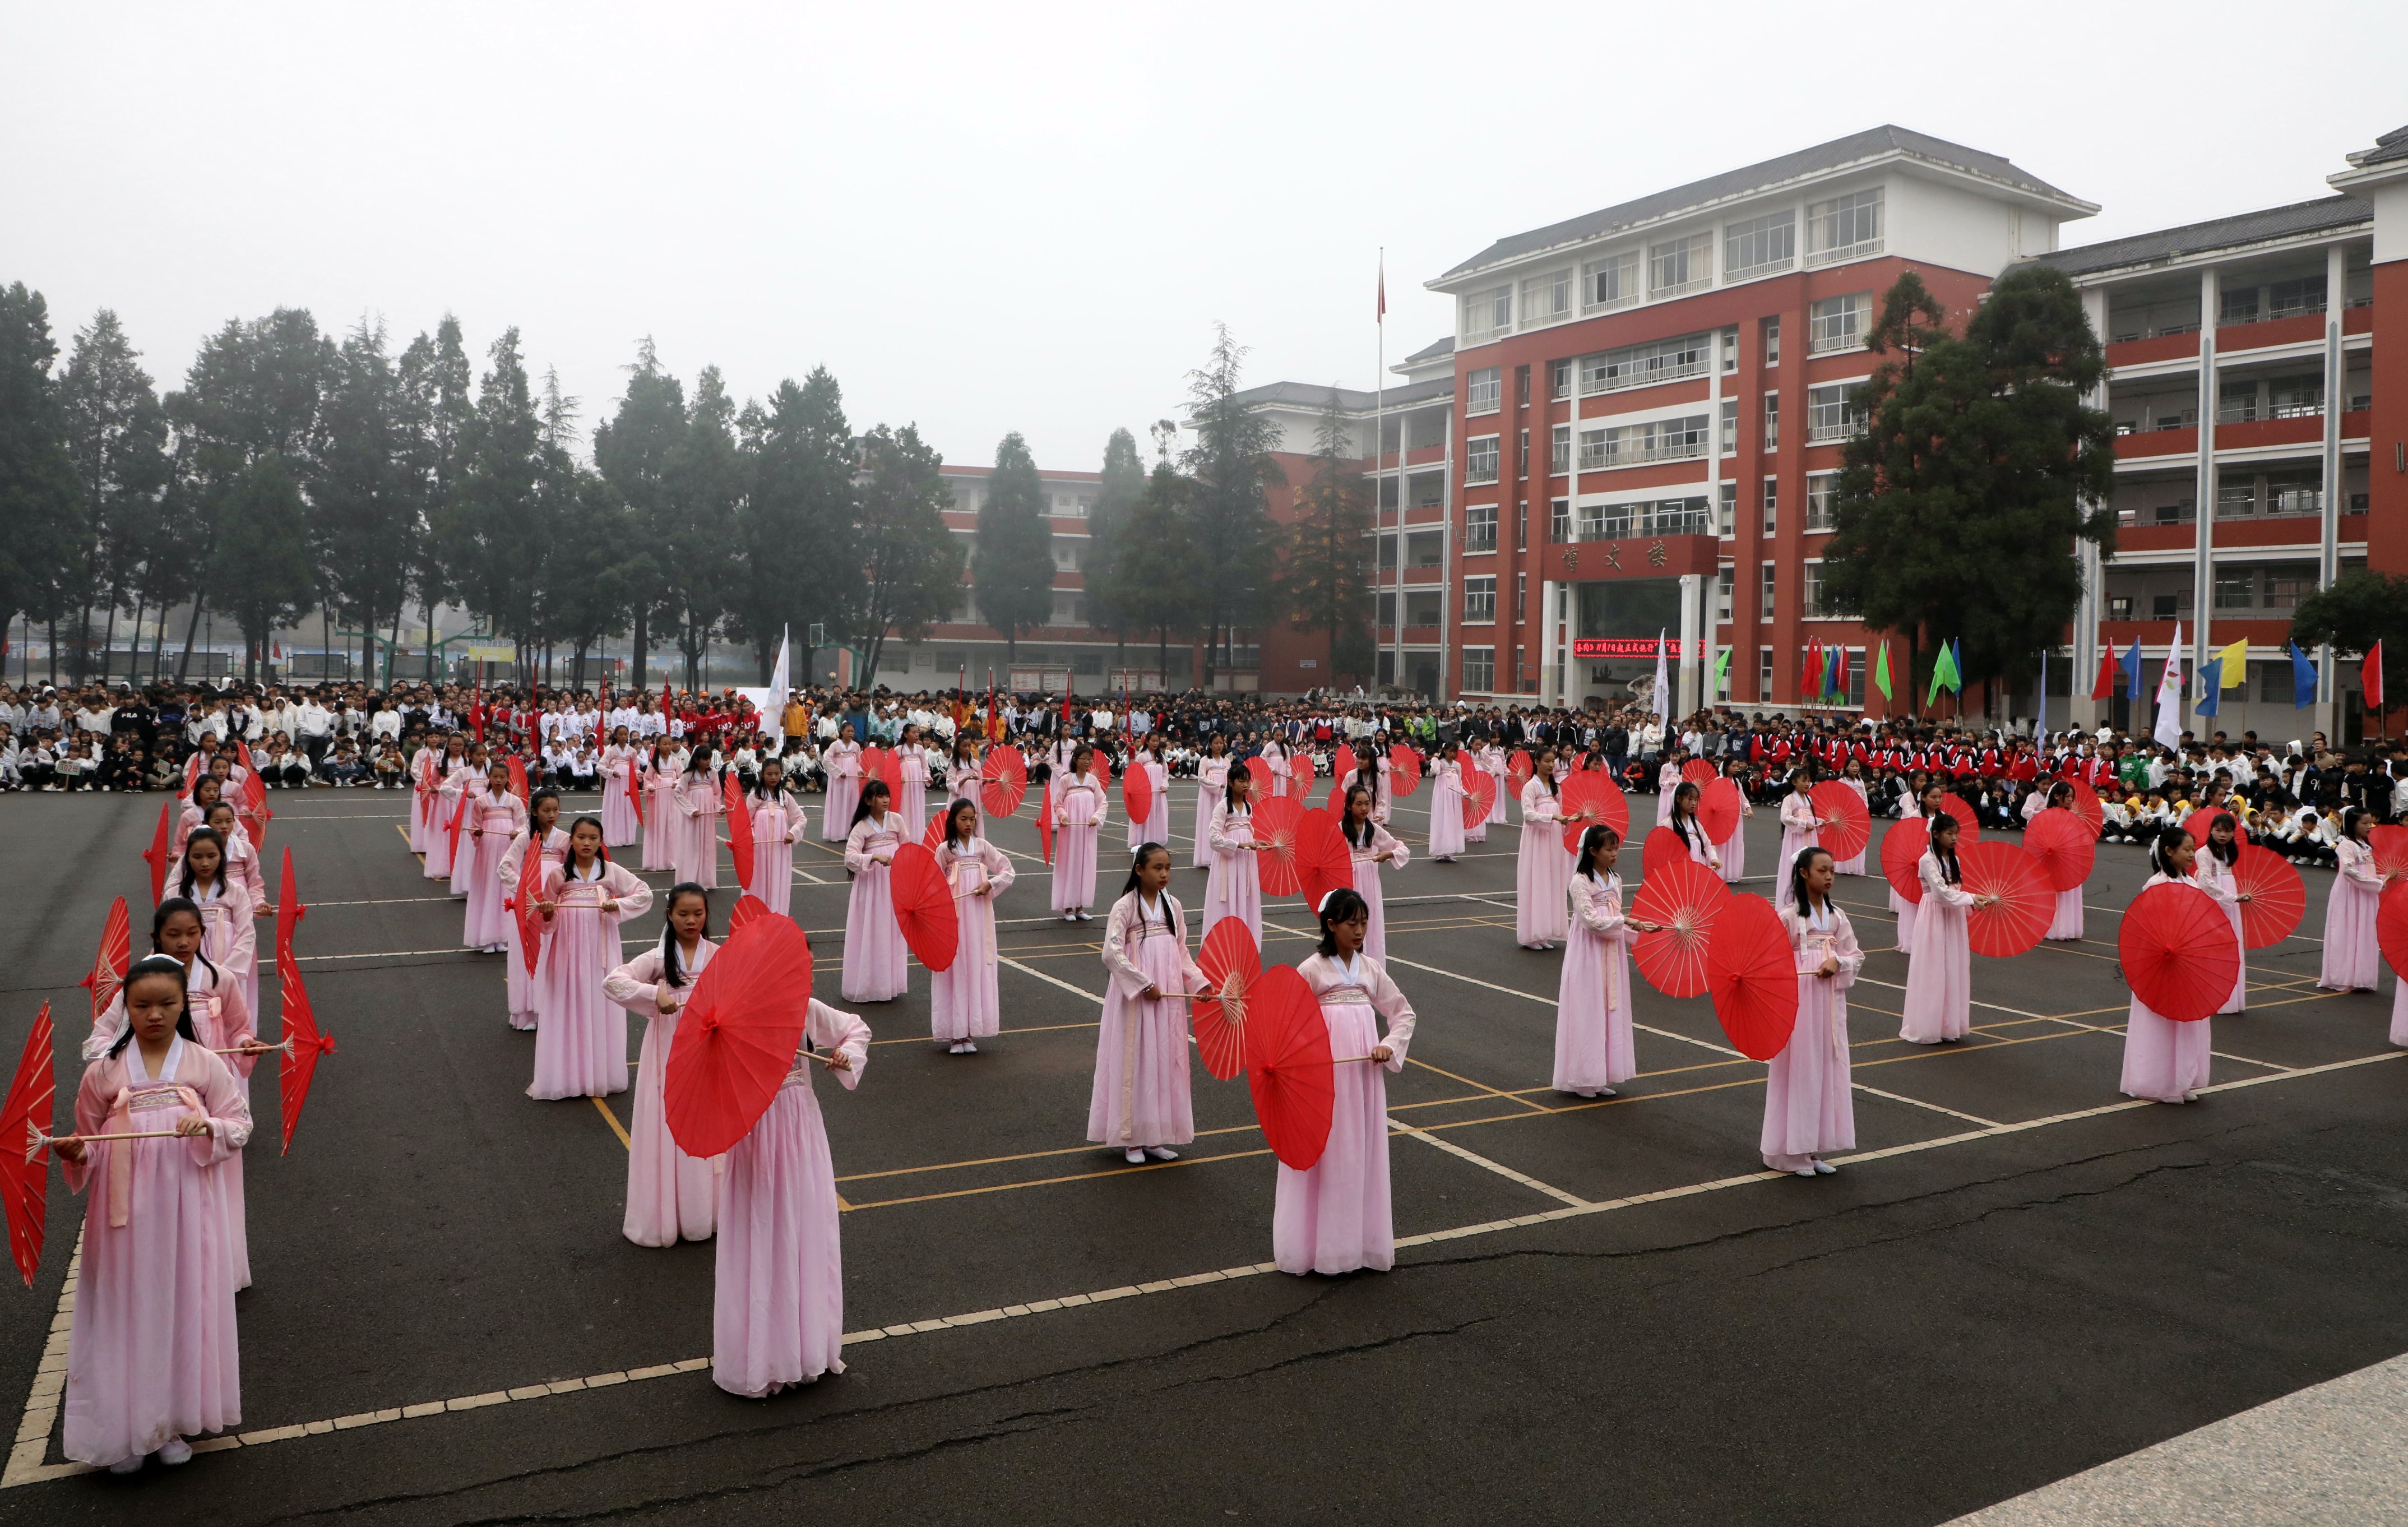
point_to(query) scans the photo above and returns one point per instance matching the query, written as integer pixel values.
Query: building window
(2293, 298)
(1819, 489)
(1479, 391)
(1069, 610)
(1487, 314)
(1771, 421)
(1729, 446)
(1547, 299)
(1768, 331)
(1833, 412)
(1388, 492)
(1649, 517)
(1523, 459)
(1727, 511)
(1521, 595)
(1772, 580)
(1772, 505)
(1730, 349)
(1810, 591)
(1634, 445)
(1760, 246)
(1559, 379)
(1840, 322)
(1726, 577)
(1681, 266)
(1480, 528)
(1844, 228)
(1522, 525)
(1560, 520)
(1645, 365)
(1612, 282)
(1522, 385)
(1559, 454)
(1764, 673)
(1480, 670)
(1480, 460)
(1480, 602)
(1422, 608)
(1425, 430)
(1426, 490)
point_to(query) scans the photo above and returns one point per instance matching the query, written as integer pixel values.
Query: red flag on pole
(1382, 315)
(2370, 676)
(477, 705)
(2104, 688)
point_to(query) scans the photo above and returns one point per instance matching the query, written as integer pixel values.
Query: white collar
(168, 1068)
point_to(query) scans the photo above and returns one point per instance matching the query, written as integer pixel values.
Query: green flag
(1943, 675)
(1722, 669)
(1881, 669)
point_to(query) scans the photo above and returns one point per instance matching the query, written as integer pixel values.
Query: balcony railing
(1646, 377)
(1857, 251)
(1820, 344)
(1681, 289)
(2163, 331)
(1610, 525)
(1823, 434)
(1749, 273)
(1606, 457)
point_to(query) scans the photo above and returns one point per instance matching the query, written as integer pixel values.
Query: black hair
(1949, 871)
(869, 788)
(538, 799)
(167, 909)
(1138, 861)
(601, 854)
(668, 929)
(185, 887)
(1598, 836)
(1346, 817)
(760, 790)
(2161, 851)
(953, 814)
(149, 965)
(2224, 852)
(2349, 821)
(1682, 820)
(2064, 786)
(1341, 905)
(1230, 786)
(1545, 776)
(1797, 868)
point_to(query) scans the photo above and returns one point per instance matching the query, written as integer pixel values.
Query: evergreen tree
(118, 433)
(632, 452)
(2358, 610)
(1957, 511)
(795, 524)
(1116, 500)
(1155, 586)
(364, 523)
(41, 510)
(1012, 567)
(432, 381)
(1231, 470)
(260, 571)
(705, 477)
(910, 566)
(1325, 583)
(494, 527)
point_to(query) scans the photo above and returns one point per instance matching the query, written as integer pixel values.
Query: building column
(1693, 588)
(2202, 583)
(2335, 487)
(1550, 693)
(2081, 710)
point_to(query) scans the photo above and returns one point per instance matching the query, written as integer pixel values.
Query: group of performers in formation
(152, 1348)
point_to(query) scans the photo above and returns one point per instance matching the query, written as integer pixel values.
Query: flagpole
(1379, 464)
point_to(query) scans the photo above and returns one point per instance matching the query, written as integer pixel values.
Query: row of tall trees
(295, 471)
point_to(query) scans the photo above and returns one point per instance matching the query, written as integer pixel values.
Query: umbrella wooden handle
(41, 1139)
(1349, 1059)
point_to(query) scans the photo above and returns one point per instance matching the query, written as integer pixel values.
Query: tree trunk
(392, 643)
(430, 640)
(637, 672)
(108, 636)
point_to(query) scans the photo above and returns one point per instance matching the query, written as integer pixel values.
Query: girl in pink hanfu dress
(963, 1004)
(777, 821)
(1543, 867)
(2352, 962)
(1854, 778)
(2214, 868)
(1081, 808)
(912, 767)
(494, 818)
(777, 1310)
(1236, 886)
(619, 827)
(1211, 780)
(459, 800)
(1809, 1107)
(2066, 922)
(1940, 972)
(423, 772)
(521, 988)
(1275, 754)
(668, 1192)
(230, 942)
(1155, 828)
(455, 769)
(153, 1354)
(874, 967)
(580, 1051)
(1592, 1043)
(1141, 1104)
(2165, 1062)
(1681, 818)
(842, 762)
(1491, 759)
(1732, 850)
(1668, 779)
(222, 1016)
(1447, 808)
(1371, 845)
(1370, 770)
(662, 821)
(1335, 1217)
(1927, 805)
(699, 807)
(1798, 828)
(242, 859)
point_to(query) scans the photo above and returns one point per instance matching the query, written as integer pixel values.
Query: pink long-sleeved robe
(1367, 882)
(1732, 850)
(1080, 809)
(1542, 871)
(2164, 1062)
(1234, 886)
(1446, 811)
(2215, 879)
(1155, 828)
(777, 1308)
(1900, 904)
(912, 804)
(1939, 967)
(619, 827)
(2352, 962)
(1593, 1040)
(1854, 866)
(669, 1193)
(1809, 1106)
(1797, 833)
(519, 989)
(581, 1049)
(695, 850)
(1211, 785)
(842, 762)
(152, 1352)
(492, 822)
(874, 967)
(661, 816)
(1141, 1095)
(777, 823)
(1336, 1217)
(963, 1000)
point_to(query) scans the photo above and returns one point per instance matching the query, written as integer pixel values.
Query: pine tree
(632, 452)
(1326, 580)
(1012, 569)
(118, 435)
(1116, 500)
(365, 520)
(260, 571)
(494, 527)
(910, 570)
(705, 478)
(1231, 470)
(796, 523)
(1154, 581)
(41, 508)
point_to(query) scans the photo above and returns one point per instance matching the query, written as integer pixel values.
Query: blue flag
(2131, 663)
(2303, 678)
(2211, 678)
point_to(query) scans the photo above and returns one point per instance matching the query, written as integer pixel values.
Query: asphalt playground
(1601, 1310)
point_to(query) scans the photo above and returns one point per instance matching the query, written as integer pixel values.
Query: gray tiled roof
(2391, 147)
(1840, 152)
(2305, 217)
(1315, 397)
(1444, 345)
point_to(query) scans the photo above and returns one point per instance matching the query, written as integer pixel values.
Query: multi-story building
(2260, 407)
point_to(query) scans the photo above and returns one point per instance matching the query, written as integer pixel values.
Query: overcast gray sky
(984, 218)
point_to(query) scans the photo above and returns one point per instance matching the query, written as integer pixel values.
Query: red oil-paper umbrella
(1752, 975)
(459, 818)
(2390, 848)
(924, 906)
(254, 814)
(1699, 772)
(156, 856)
(2277, 900)
(740, 826)
(1479, 794)
(289, 907)
(1337, 800)
(636, 789)
(1847, 826)
(2390, 926)
(519, 784)
(1277, 822)
(1969, 825)
(878, 764)
(1590, 797)
(2063, 845)
(1718, 810)
(26, 1171)
(2086, 806)
(748, 906)
(528, 892)
(1006, 782)
(1324, 862)
(2198, 823)
(1045, 823)
(302, 1045)
(1686, 898)
(2023, 901)
(935, 831)
(1137, 795)
(1404, 769)
(110, 962)
(1259, 770)
(1232, 965)
(1519, 770)
(1300, 769)
(2178, 952)
(737, 1037)
(1663, 847)
(1901, 853)
(1289, 1067)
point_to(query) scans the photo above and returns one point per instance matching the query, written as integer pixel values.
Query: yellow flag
(2235, 659)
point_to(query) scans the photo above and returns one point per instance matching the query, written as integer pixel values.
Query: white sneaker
(969, 1048)
(127, 1466)
(1133, 1156)
(1826, 1167)
(1804, 1171)
(174, 1451)
(955, 1048)
(1162, 1153)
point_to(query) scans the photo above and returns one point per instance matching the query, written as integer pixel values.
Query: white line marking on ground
(1918, 1103)
(1486, 1164)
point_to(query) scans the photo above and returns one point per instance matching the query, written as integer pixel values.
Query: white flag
(1663, 687)
(2170, 694)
